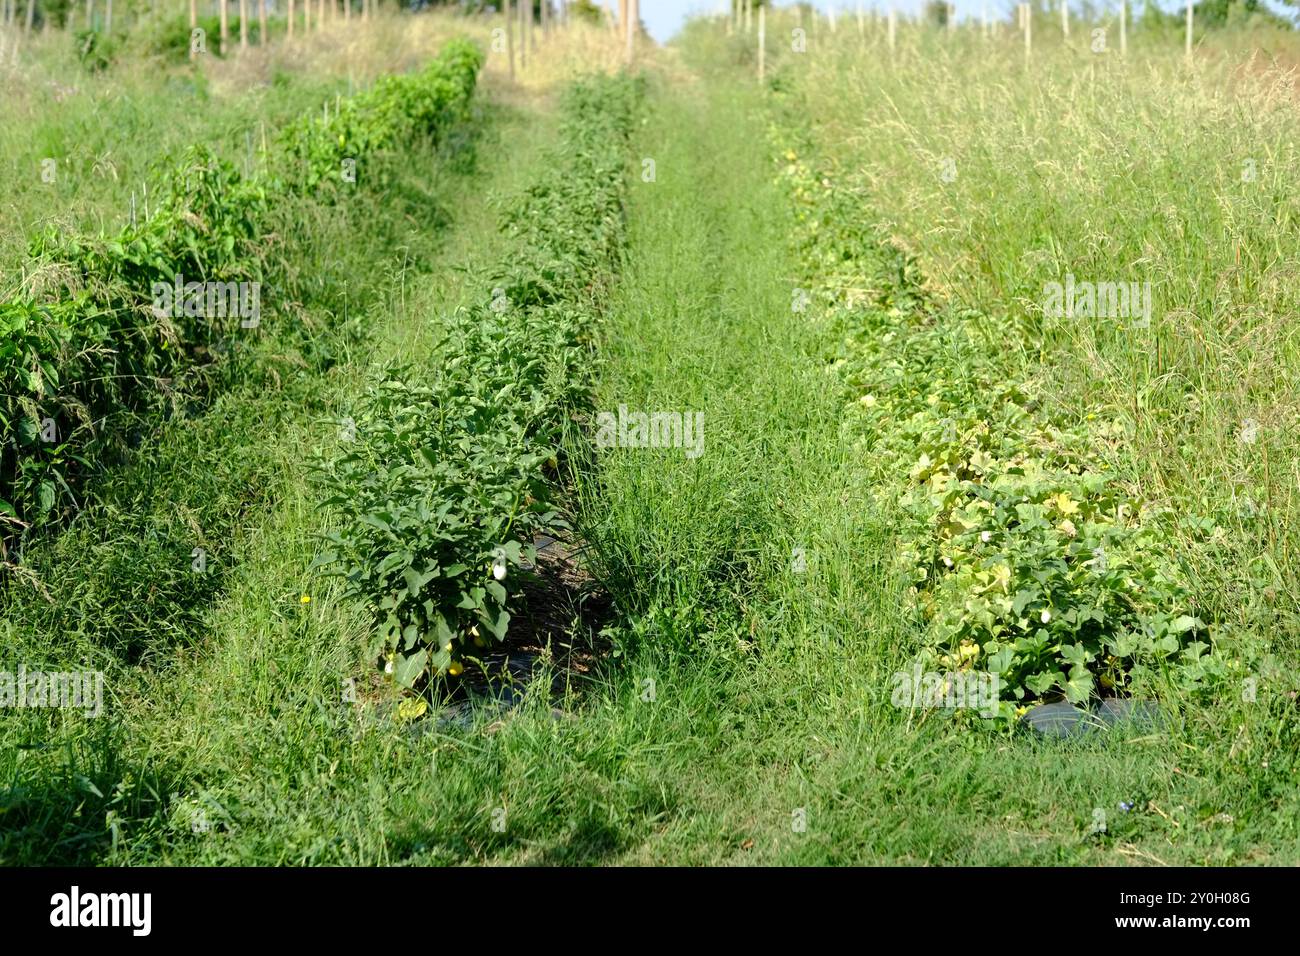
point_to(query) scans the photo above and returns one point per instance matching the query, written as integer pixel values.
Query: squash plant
(1025, 553)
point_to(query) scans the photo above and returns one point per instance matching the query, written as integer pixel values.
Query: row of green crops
(97, 339)
(441, 477)
(1027, 555)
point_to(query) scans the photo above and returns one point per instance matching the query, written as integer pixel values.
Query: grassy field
(906, 459)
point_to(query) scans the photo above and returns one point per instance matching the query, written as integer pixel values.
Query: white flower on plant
(986, 536)
(1045, 616)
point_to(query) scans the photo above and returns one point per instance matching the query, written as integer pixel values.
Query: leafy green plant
(89, 349)
(443, 483)
(311, 151)
(97, 51)
(1027, 555)
(430, 507)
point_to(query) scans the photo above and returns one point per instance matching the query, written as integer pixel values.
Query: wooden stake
(510, 40)
(243, 24)
(1029, 31)
(261, 23)
(225, 24)
(31, 16)
(893, 27)
(762, 41)
(194, 22)
(1065, 19)
(631, 31)
(523, 37)
(289, 20)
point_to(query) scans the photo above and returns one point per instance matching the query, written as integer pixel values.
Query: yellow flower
(456, 668)
(305, 599)
(1065, 504)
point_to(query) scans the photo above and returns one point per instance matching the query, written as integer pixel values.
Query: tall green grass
(1137, 169)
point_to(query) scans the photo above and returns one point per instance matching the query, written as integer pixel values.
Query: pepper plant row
(99, 334)
(446, 474)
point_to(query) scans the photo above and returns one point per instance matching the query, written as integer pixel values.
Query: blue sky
(663, 17)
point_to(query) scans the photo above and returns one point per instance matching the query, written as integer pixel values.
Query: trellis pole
(510, 39)
(1029, 31)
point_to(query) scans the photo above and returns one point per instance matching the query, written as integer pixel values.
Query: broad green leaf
(408, 668)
